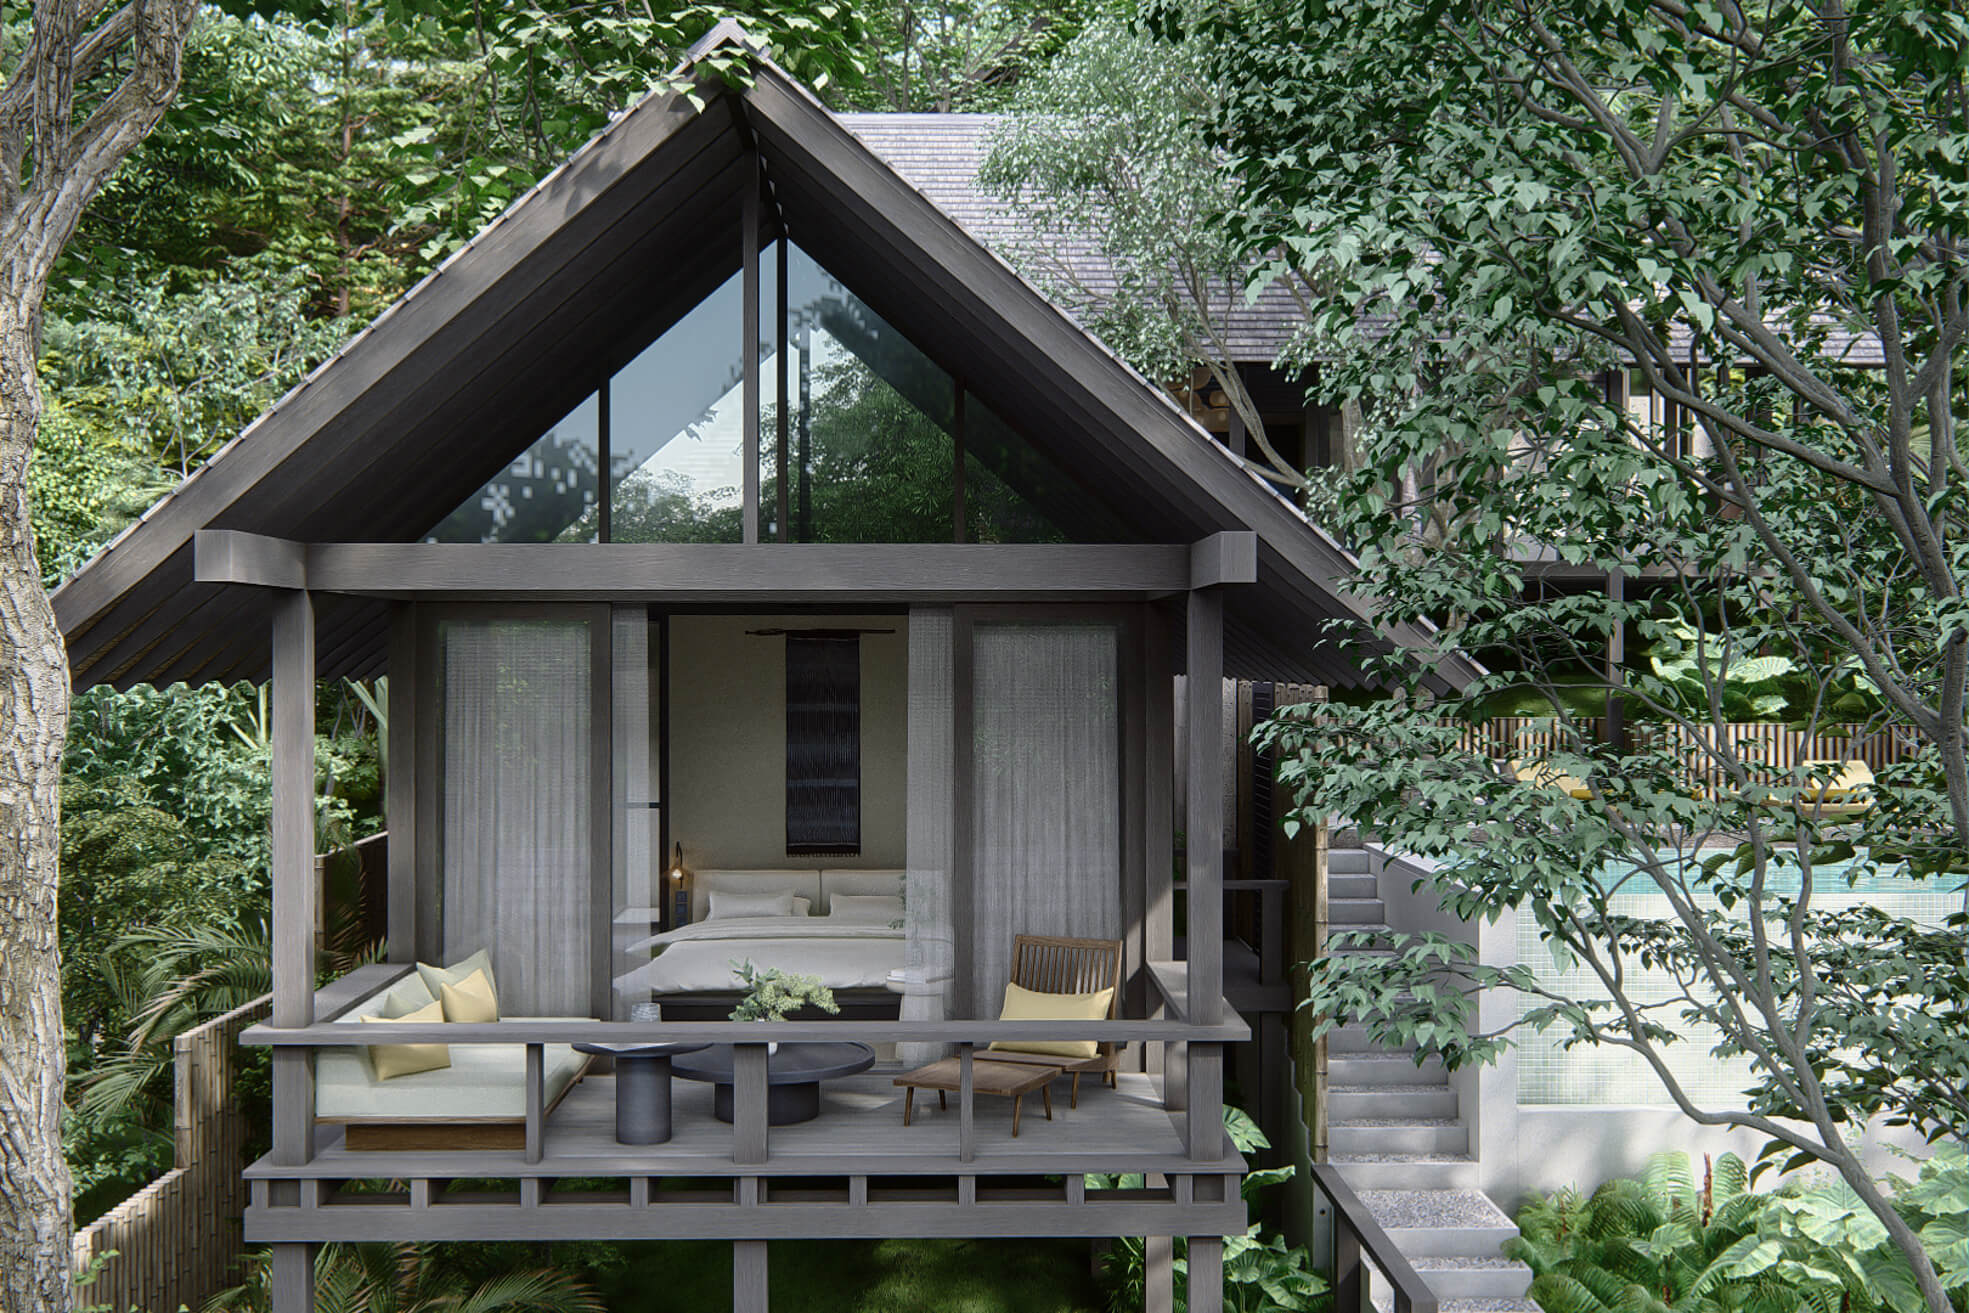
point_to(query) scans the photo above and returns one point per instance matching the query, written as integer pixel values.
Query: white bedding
(844, 954)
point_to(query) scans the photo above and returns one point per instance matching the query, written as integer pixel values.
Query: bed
(852, 945)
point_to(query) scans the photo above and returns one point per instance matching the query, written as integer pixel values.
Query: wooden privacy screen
(823, 744)
(177, 1239)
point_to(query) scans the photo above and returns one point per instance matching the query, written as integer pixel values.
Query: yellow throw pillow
(393, 1060)
(455, 973)
(1031, 1005)
(471, 999)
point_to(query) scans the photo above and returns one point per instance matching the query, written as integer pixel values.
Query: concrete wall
(728, 740)
(1534, 1149)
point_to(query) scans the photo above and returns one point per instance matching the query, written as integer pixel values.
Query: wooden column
(749, 1273)
(293, 840)
(1204, 865)
(1206, 1284)
(293, 1278)
(749, 319)
(400, 785)
(1616, 726)
(1159, 1275)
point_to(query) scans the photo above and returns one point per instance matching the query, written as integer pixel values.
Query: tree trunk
(35, 1249)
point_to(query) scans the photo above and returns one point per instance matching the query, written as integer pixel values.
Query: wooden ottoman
(1011, 1080)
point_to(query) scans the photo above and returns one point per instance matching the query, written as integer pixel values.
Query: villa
(674, 684)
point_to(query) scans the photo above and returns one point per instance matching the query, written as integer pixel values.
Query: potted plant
(771, 994)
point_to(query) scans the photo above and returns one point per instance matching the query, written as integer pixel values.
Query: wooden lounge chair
(1050, 964)
(1836, 790)
(1544, 776)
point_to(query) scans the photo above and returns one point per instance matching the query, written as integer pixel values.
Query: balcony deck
(855, 1170)
(859, 1132)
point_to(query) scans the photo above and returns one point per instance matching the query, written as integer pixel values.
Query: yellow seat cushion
(391, 1060)
(1031, 1005)
(471, 999)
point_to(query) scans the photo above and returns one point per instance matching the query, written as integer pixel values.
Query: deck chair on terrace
(1051, 964)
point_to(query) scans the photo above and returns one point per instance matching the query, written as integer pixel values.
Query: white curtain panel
(1046, 793)
(930, 954)
(517, 857)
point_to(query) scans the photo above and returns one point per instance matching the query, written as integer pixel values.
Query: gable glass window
(878, 443)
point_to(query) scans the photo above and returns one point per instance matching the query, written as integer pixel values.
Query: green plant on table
(772, 994)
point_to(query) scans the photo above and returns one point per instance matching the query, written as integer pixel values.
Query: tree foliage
(1504, 203)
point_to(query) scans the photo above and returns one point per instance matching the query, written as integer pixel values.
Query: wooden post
(749, 1124)
(536, 1102)
(1159, 1273)
(1206, 1283)
(967, 1126)
(1204, 857)
(749, 319)
(293, 1278)
(292, 852)
(1349, 1283)
(1616, 658)
(749, 1277)
(400, 785)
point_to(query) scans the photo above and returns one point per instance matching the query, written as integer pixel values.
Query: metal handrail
(1355, 1232)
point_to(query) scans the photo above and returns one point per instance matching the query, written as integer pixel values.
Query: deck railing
(1764, 743)
(749, 1040)
(175, 1240)
(1356, 1235)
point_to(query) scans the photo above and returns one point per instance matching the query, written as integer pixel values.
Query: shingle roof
(941, 154)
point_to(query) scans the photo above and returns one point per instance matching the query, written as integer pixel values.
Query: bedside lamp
(680, 893)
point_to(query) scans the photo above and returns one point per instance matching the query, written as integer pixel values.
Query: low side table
(794, 1072)
(642, 1088)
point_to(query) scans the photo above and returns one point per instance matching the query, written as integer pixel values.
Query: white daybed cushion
(483, 1080)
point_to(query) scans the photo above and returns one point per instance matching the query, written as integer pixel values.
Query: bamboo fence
(175, 1241)
(1767, 745)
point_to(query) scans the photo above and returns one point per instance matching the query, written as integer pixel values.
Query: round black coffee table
(642, 1088)
(793, 1076)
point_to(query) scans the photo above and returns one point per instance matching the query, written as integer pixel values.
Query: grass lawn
(854, 1276)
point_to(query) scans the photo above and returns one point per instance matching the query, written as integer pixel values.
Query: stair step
(1383, 1069)
(1361, 885)
(1443, 1135)
(1352, 912)
(1450, 1241)
(1390, 1101)
(1488, 1306)
(1474, 1278)
(1347, 861)
(1407, 1171)
(1356, 1039)
(1442, 1209)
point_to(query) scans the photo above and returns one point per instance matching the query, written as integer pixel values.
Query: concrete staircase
(1398, 1136)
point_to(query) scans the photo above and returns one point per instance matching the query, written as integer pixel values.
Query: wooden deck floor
(859, 1132)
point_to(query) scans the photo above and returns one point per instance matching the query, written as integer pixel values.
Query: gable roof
(456, 378)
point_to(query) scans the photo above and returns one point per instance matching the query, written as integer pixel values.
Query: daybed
(477, 1102)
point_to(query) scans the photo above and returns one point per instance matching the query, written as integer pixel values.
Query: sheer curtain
(516, 850)
(929, 948)
(1046, 793)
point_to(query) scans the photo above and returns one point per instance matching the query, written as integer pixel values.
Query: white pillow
(802, 906)
(725, 905)
(865, 909)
